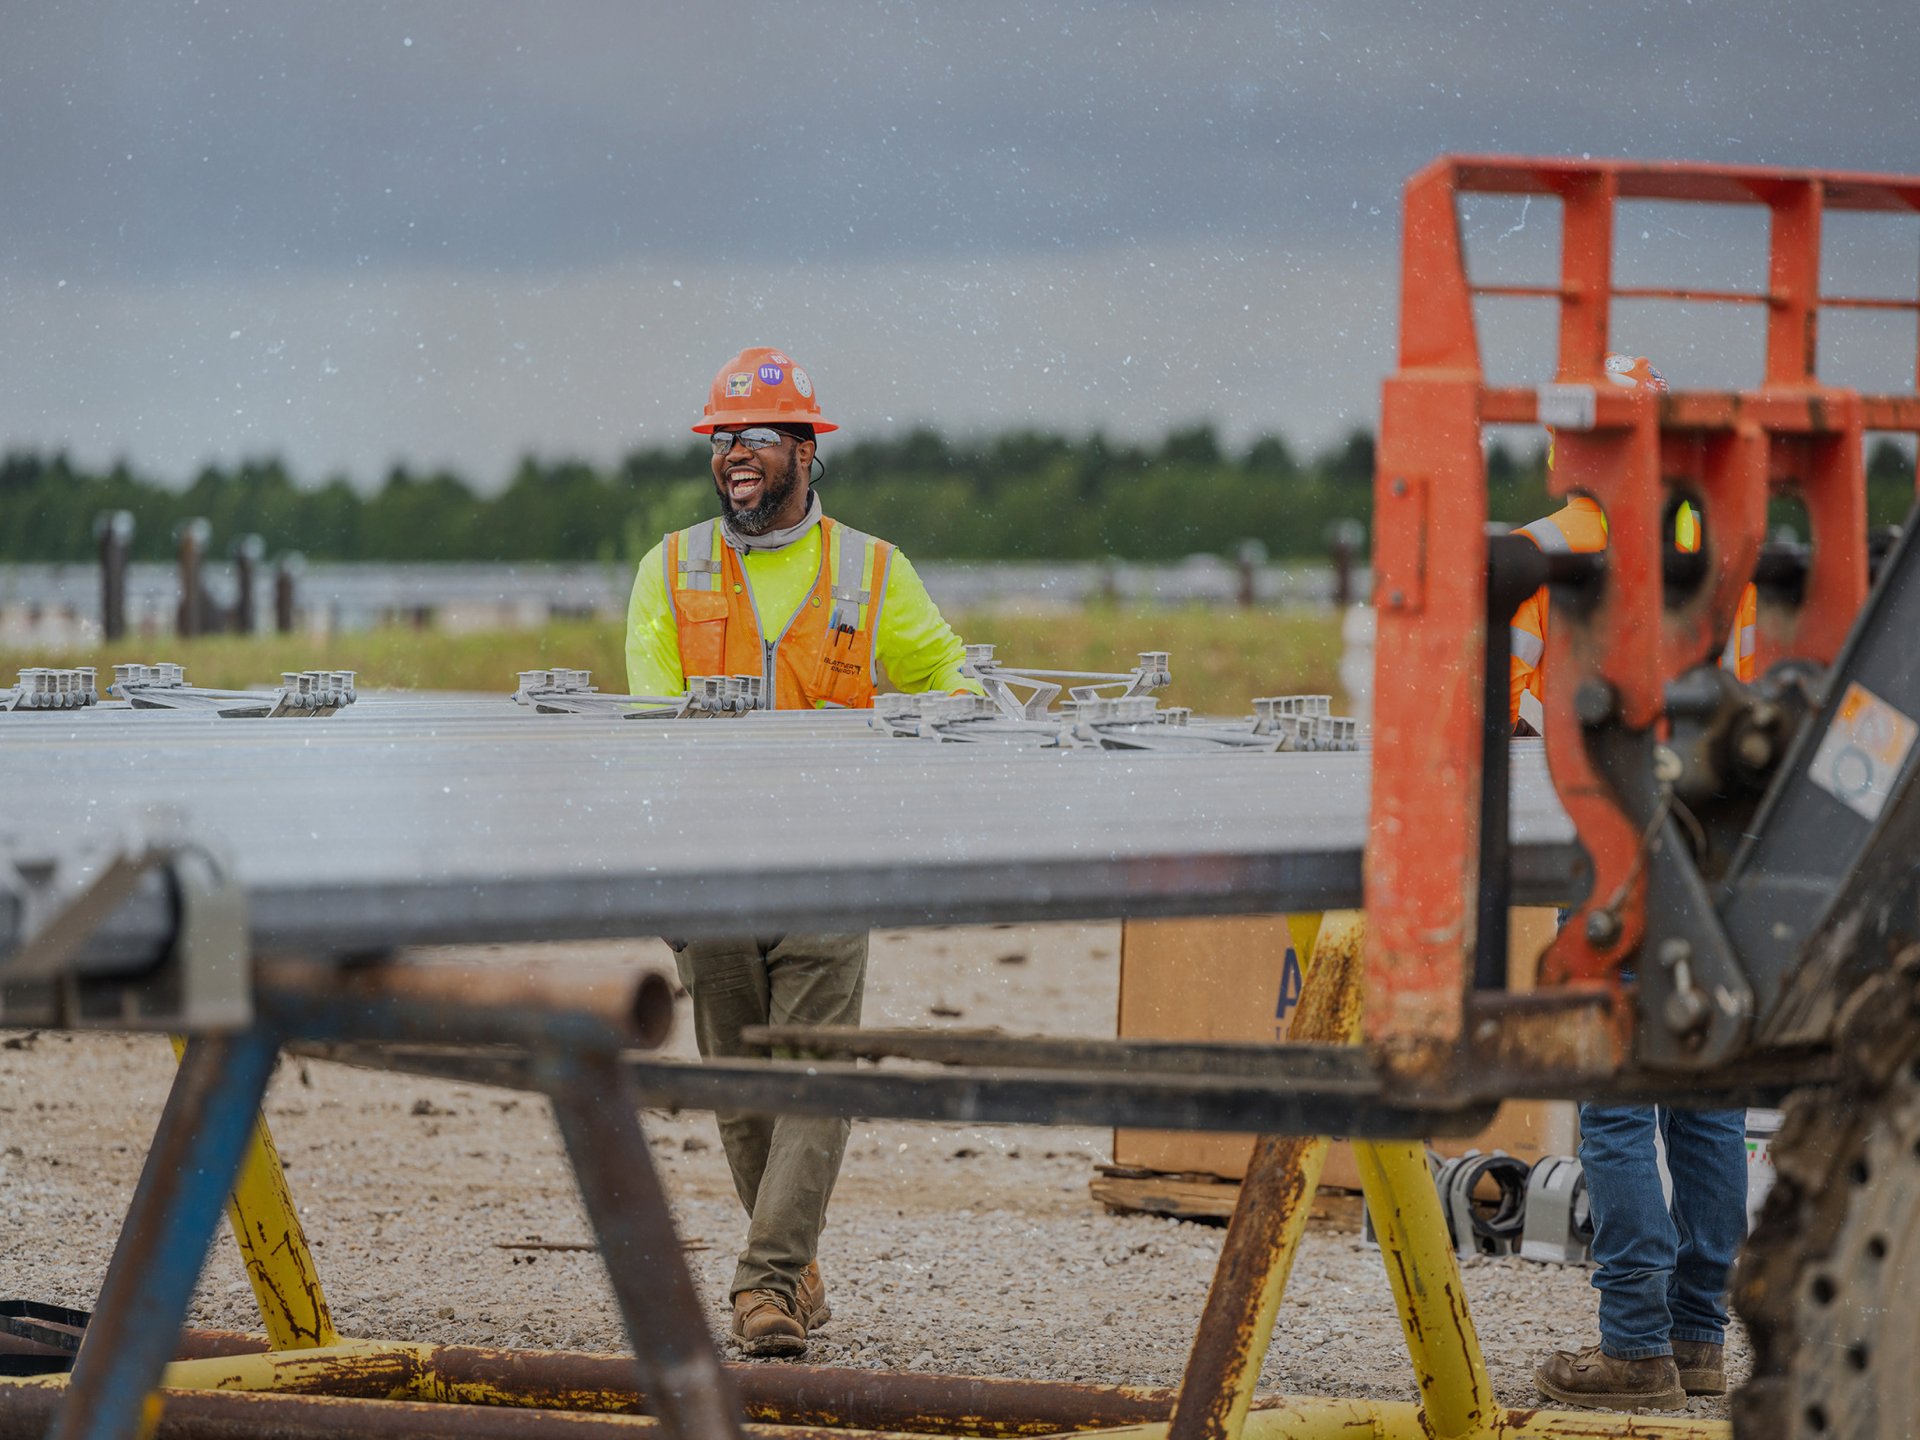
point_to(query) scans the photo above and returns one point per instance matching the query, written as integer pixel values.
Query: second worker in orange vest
(1581, 528)
(772, 587)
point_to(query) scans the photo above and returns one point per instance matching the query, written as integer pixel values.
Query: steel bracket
(199, 982)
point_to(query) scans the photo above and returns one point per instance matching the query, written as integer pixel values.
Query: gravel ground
(949, 1248)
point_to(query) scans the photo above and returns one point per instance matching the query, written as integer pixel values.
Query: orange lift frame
(1634, 453)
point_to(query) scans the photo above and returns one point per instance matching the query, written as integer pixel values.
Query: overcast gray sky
(350, 233)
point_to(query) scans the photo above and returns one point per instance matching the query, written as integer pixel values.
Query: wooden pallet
(1209, 1199)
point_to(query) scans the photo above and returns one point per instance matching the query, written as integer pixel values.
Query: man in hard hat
(1661, 1265)
(772, 587)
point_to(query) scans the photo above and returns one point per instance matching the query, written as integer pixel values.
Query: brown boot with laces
(1596, 1380)
(812, 1295)
(765, 1323)
(1702, 1365)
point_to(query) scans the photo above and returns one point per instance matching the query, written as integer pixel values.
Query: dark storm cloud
(348, 232)
(167, 140)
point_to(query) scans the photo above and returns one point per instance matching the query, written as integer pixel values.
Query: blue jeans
(1663, 1270)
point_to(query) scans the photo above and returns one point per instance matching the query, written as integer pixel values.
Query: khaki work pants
(783, 1166)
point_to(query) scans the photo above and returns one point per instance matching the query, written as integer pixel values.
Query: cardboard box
(1238, 978)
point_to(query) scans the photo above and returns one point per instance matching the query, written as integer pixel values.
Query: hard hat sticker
(777, 358)
(771, 375)
(739, 384)
(1862, 752)
(802, 383)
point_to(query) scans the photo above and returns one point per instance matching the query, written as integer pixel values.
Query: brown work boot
(1702, 1365)
(1594, 1379)
(812, 1295)
(764, 1323)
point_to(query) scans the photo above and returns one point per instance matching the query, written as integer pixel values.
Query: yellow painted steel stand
(1271, 1212)
(1236, 1328)
(1455, 1390)
(273, 1244)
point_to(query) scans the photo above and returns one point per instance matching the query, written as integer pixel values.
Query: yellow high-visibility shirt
(912, 641)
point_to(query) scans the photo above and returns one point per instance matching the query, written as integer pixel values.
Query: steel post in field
(597, 1112)
(273, 1246)
(196, 1152)
(1271, 1213)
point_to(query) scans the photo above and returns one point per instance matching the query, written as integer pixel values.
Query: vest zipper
(769, 698)
(825, 551)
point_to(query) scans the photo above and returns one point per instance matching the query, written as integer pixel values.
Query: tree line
(1019, 495)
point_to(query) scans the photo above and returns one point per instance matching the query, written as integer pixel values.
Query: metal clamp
(202, 981)
(41, 688)
(1559, 1221)
(1477, 1226)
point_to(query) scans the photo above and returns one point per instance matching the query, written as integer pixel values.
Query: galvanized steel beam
(431, 824)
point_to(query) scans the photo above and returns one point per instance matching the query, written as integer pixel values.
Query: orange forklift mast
(1685, 952)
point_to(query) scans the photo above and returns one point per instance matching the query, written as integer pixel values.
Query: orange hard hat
(1629, 372)
(1634, 372)
(761, 386)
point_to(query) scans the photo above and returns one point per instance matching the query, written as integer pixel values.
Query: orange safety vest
(1581, 529)
(821, 656)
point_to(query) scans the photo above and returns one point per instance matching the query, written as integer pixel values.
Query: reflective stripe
(700, 557)
(1551, 539)
(885, 564)
(1739, 647)
(1686, 529)
(1527, 646)
(852, 566)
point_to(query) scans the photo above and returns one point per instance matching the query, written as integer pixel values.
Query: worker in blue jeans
(1662, 1273)
(1662, 1268)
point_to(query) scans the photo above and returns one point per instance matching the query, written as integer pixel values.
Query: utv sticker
(771, 374)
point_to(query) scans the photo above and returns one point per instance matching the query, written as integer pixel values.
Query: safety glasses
(758, 438)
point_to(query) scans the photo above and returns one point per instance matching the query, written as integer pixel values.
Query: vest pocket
(701, 617)
(840, 673)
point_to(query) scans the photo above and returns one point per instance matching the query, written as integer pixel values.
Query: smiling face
(761, 490)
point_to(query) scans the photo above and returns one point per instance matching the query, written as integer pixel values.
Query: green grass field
(1222, 658)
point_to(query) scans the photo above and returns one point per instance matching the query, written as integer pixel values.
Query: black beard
(758, 519)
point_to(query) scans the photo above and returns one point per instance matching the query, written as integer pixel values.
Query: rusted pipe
(28, 1408)
(775, 1394)
(434, 1001)
(30, 1411)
